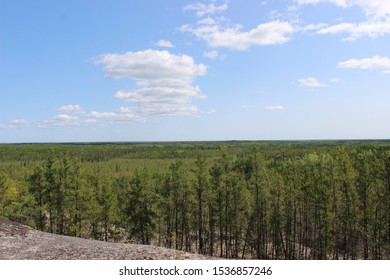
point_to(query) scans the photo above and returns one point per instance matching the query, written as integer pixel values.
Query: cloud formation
(76, 109)
(269, 33)
(375, 62)
(14, 124)
(213, 54)
(164, 81)
(377, 8)
(204, 9)
(217, 34)
(120, 116)
(275, 108)
(19, 122)
(63, 120)
(311, 82)
(371, 28)
(164, 44)
(376, 24)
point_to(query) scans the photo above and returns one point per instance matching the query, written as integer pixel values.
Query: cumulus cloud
(204, 9)
(65, 117)
(63, 120)
(269, 33)
(275, 108)
(341, 3)
(311, 82)
(152, 65)
(164, 44)
(213, 54)
(94, 117)
(207, 21)
(19, 122)
(14, 124)
(216, 34)
(376, 8)
(371, 28)
(377, 22)
(375, 62)
(71, 115)
(120, 116)
(164, 81)
(71, 109)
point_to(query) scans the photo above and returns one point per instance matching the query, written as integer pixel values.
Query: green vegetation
(265, 200)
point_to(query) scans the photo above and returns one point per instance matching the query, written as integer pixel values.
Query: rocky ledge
(20, 242)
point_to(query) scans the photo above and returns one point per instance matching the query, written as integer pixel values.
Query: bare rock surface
(20, 242)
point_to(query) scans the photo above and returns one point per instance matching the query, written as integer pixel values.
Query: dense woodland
(263, 200)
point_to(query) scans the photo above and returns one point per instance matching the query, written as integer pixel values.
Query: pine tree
(50, 198)
(140, 209)
(200, 186)
(37, 189)
(8, 198)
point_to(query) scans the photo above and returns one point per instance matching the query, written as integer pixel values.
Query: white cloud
(150, 65)
(14, 123)
(311, 82)
(19, 122)
(311, 27)
(376, 8)
(341, 3)
(204, 9)
(91, 118)
(371, 28)
(65, 118)
(62, 120)
(207, 21)
(164, 81)
(165, 44)
(163, 99)
(216, 34)
(269, 33)
(71, 109)
(213, 54)
(275, 108)
(377, 22)
(114, 116)
(375, 62)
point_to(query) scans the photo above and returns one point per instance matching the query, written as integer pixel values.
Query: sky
(143, 70)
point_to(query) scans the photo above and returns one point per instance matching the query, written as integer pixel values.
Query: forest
(235, 199)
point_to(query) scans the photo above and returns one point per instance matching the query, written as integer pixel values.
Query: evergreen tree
(140, 208)
(37, 189)
(8, 198)
(200, 186)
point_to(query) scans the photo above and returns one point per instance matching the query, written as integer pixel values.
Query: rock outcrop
(20, 242)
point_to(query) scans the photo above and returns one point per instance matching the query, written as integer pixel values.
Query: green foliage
(266, 200)
(9, 194)
(140, 204)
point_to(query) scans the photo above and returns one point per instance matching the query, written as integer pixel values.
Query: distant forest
(236, 199)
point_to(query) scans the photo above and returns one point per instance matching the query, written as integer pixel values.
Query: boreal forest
(251, 200)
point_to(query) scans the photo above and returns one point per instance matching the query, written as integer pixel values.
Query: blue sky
(147, 70)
